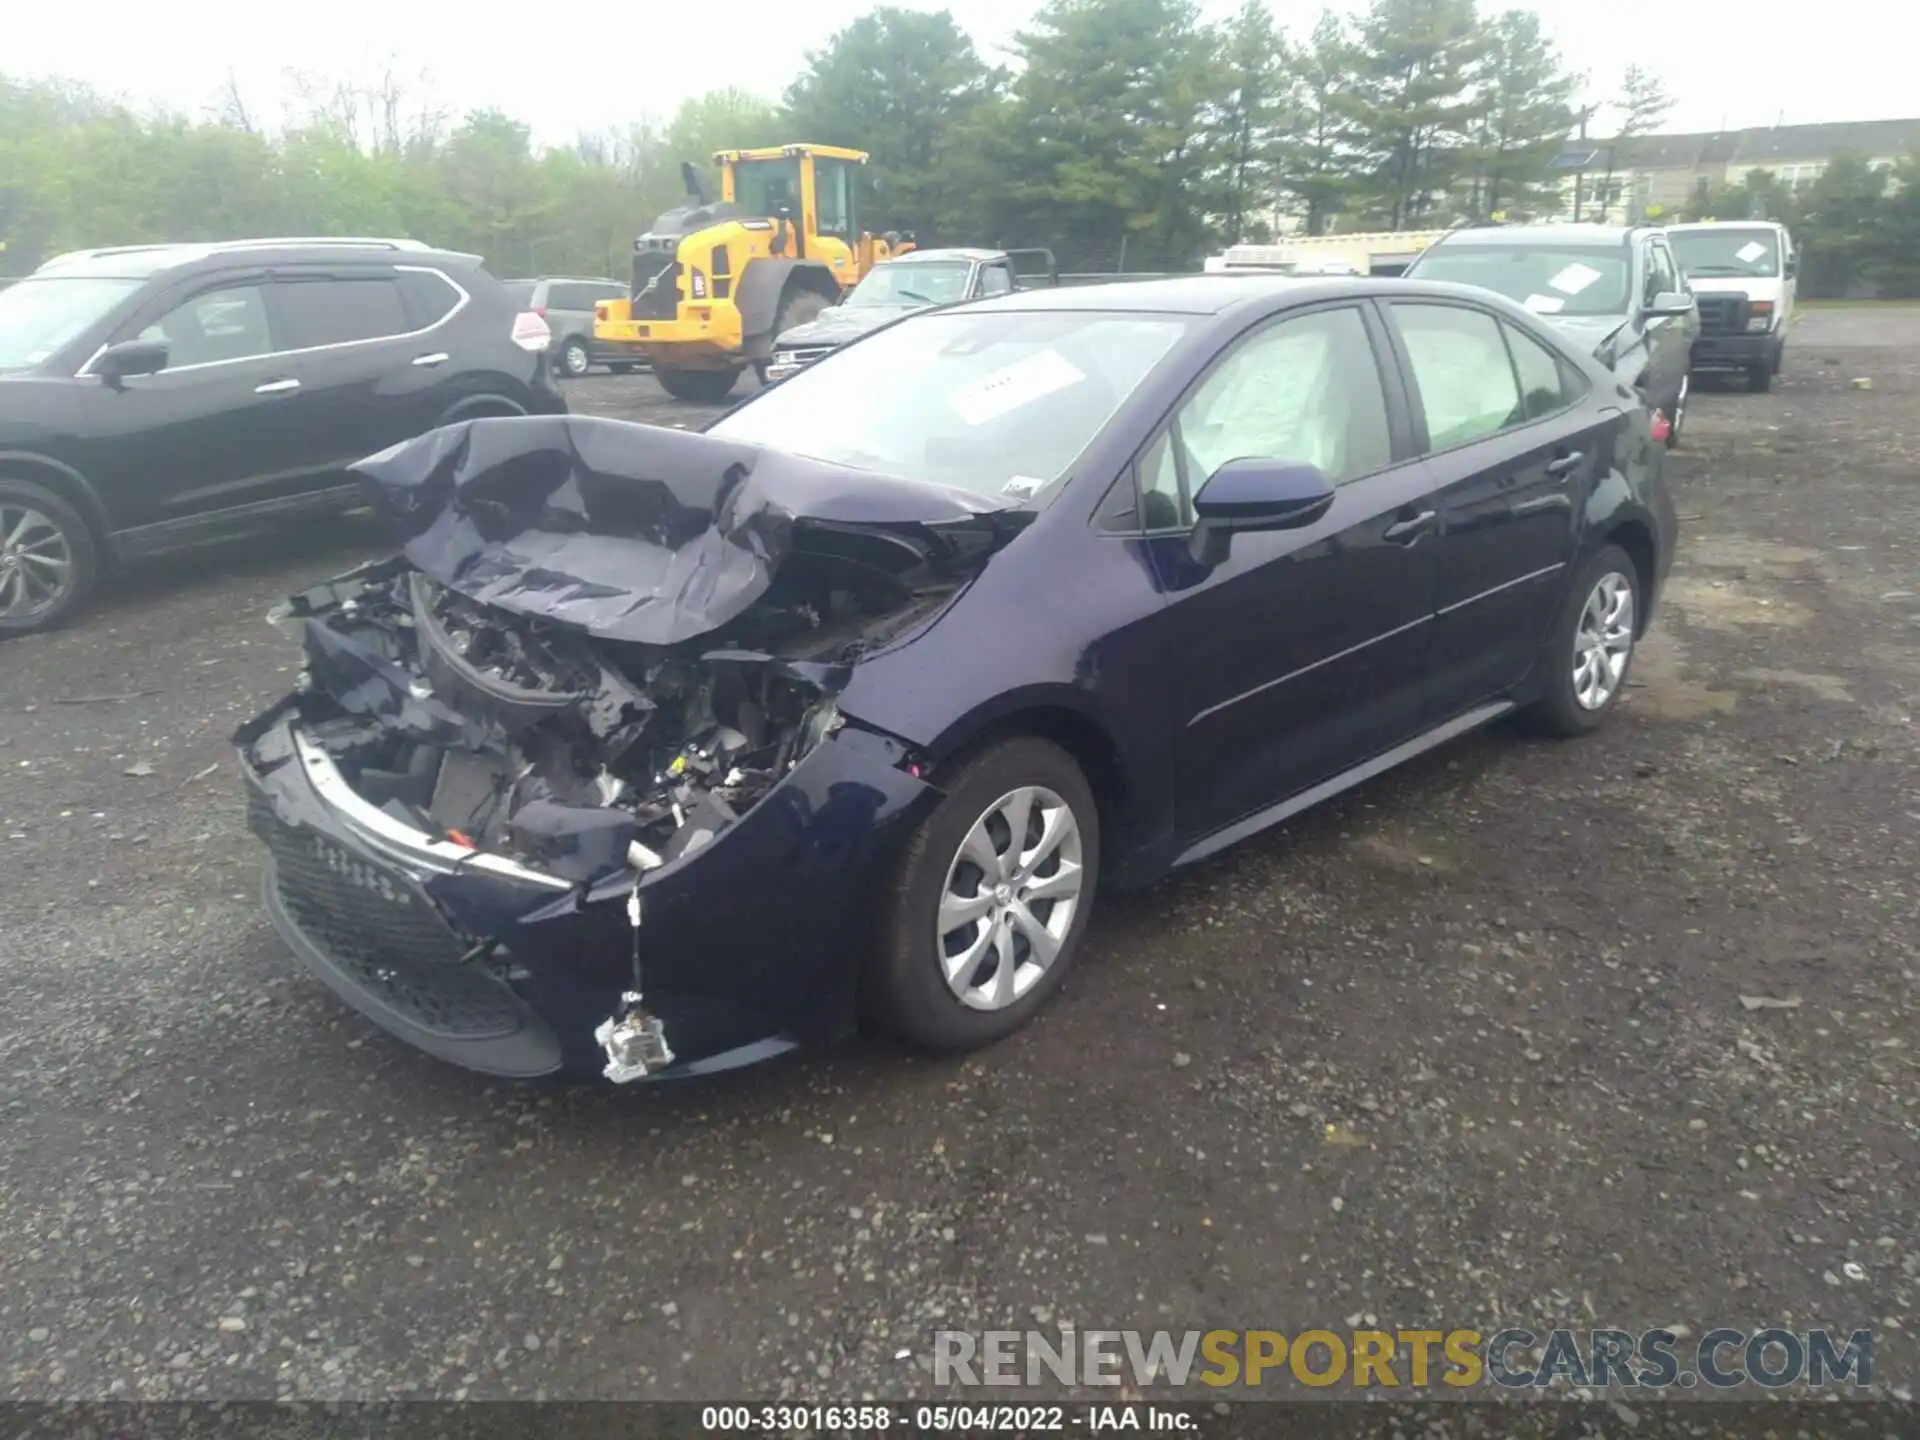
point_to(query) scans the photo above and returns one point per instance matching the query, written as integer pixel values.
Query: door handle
(276, 387)
(439, 357)
(1406, 532)
(1564, 465)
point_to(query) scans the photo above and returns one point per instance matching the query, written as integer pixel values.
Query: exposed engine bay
(569, 753)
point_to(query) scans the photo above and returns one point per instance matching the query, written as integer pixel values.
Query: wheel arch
(1083, 737)
(66, 482)
(479, 406)
(1633, 535)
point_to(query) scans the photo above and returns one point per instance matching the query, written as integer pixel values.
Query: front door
(1303, 653)
(212, 430)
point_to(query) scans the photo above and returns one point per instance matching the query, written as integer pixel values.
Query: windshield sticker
(1545, 304)
(1575, 278)
(1751, 251)
(1022, 485)
(1012, 386)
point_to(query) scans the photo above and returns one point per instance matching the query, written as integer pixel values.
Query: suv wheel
(1590, 648)
(701, 387)
(48, 559)
(1679, 415)
(574, 359)
(990, 900)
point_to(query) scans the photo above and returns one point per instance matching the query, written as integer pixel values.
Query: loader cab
(813, 186)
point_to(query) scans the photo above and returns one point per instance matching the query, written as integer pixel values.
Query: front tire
(48, 558)
(698, 387)
(1589, 651)
(574, 359)
(990, 899)
(1760, 376)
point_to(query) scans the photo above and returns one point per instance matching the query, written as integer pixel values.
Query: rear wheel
(1677, 417)
(1590, 648)
(700, 387)
(574, 359)
(797, 307)
(48, 559)
(990, 900)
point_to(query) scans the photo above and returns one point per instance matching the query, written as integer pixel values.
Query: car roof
(142, 261)
(1730, 225)
(1539, 234)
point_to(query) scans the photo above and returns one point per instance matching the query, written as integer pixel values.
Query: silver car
(567, 306)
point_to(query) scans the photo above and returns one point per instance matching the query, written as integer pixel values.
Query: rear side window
(428, 295)
(996, 280)
(569, 297)
(337, 310)
(1461, 370)
(1545, 384)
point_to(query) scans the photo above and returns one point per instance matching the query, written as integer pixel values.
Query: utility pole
(1580, 175)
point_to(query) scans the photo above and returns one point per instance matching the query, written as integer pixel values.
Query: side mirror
(1792, 266)
(1255, 494)
(130, 357)
(1671, 302)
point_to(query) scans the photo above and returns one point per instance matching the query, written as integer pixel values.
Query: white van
(1742, 274)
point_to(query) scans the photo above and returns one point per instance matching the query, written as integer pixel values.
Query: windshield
(1000, 403)
(38, 317)
(1548, 280)
(923, 282)
(1707, 253)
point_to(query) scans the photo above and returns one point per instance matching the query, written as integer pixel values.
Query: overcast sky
(1728, 66)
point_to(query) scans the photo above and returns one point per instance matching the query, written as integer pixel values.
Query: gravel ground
(1467, 1047)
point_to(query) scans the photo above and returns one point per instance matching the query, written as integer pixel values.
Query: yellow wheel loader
(715, 281)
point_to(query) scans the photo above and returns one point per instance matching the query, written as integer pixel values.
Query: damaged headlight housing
(283, 619)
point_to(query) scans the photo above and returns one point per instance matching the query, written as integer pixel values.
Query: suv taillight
(530, 331)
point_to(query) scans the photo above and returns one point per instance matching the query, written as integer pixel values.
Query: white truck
(1742, 276)
(1371, 252)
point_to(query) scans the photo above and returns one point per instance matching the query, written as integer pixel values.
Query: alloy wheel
(36, 563)
(575, 360)
(1009, 899)
(1603, 641)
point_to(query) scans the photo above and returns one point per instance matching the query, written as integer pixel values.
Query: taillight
(530, 330)
(541, 311)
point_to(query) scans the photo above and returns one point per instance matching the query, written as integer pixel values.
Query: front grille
(656, 285)
(807, 354)
(1722, 314)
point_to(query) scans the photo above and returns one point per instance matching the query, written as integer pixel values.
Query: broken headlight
(283, 619)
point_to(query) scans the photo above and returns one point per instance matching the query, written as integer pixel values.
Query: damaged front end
(565, 785)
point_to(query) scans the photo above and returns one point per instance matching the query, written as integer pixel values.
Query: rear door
(371, 345)
(212, 431)
(1304, 652)
(1499, 413)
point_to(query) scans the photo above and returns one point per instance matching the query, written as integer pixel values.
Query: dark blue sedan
(655, 752)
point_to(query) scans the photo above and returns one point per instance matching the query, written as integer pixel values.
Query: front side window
(1548, 280)
(1461, 370)
(339, 311)
(229, 323)
(1000, 403)
(1305, 389)
(1662, 277)
(40, 316)
(765, 188)
(1727, 250)
(996, 280)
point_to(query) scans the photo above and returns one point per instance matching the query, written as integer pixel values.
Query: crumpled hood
(842, 324)
(1590, 331)
(629, 532)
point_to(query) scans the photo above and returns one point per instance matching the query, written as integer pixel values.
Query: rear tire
(698, 387)
(1677, 417)
(49, 559)
(960, 902)
(575, 361)
(1588, 654)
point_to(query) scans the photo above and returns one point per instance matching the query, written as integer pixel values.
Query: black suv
(152, 395)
